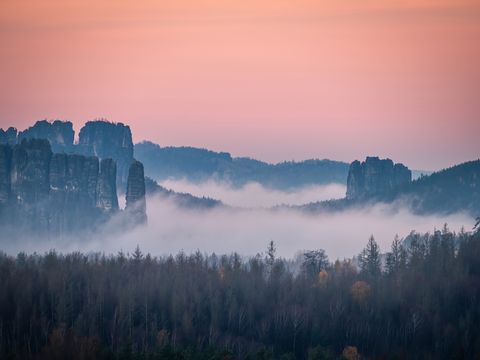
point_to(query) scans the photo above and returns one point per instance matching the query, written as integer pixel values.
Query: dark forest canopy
(420, 300)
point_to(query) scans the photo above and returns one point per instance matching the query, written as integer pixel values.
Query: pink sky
(272, 79)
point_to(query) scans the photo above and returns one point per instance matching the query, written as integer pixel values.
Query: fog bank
(254, 195)
(172, 229)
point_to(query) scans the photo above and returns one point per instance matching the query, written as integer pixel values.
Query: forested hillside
(421, 300)
(198, 165)
(450, 190)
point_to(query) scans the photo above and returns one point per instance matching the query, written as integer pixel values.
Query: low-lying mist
(254, 195)
(247, 231)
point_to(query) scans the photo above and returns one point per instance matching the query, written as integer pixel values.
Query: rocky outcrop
(73, 192)
(401, 175)
(60, 134)
(8, 137)
(5, 169)
(103, 139)
(49, 184)
(30, 171)
(30, 183)
(108, 140)
(107, 199)
(135, 197)
(375, 176)
(54, 193)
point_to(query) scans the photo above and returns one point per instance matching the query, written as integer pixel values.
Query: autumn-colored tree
(360, 291)
(350, 353)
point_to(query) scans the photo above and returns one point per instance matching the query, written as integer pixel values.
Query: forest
(200, 165)
(420, 300)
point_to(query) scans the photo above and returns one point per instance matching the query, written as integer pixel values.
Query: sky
(271, 79)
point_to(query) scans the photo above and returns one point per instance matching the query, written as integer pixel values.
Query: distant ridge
(197, 165)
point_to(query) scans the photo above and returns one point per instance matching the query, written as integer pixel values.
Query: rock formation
(50, 185)
(135, 197)
(9, 136)
(5, 169)
(107, 199)
(105, 140)
(54, 193)
(375, 176)
(30, 185)
(108, 140)
(73, 192)
(60, 134)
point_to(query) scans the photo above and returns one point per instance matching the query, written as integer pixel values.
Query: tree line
(420, 300)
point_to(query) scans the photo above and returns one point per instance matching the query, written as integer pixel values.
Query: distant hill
(447, 191)
(197, 165)
(450, 190)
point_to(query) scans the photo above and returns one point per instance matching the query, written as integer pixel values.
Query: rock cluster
(54, 193)
(375, 176)
(103, 139)
(60, 134)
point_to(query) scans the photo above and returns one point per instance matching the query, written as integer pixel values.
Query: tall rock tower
(5, 166)
(136, 204)
(30, 182)
(107, 199)
(108, 140)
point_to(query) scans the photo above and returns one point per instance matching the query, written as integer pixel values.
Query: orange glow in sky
(272, 79)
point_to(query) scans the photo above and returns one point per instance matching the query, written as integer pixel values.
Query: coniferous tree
(396, 259)
(369, 259)
(314, 261)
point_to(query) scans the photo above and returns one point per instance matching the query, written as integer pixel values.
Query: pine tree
(314, 261)
(369, 259)
(397, 258)
(271, 251)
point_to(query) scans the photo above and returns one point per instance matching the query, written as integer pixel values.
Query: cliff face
(30, 171)
(30, 186)
(135, 197)
(73, 192)
(109, 140)
(5, 169)
(60, 134)
(54, 193)
(375, 176)
(107, 199)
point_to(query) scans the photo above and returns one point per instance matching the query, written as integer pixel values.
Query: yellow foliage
(360, 291)
(350, 353)
(221, 273)
(323, 277)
